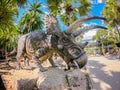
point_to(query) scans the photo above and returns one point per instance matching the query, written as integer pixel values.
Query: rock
(76, 80)
(53, 79)
(26, 84)
(57, 79)
(20, 80)
(24, 80)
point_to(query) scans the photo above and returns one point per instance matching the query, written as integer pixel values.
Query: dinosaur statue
(40, 45)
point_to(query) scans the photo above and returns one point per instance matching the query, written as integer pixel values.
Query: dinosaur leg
(26, 63)
(52, 62)
(38, 63)
(20, 51)
(40, 52)
(18, 64)
(67, 63)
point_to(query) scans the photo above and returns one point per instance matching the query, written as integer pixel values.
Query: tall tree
(8, 30)
(32, 19)
(8, 12)
(8, 39)
(105, 38)
(100, 38)
(112, 13)
(69, 10)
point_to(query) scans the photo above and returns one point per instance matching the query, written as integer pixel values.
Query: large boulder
(53, 79)
(20, 80)
(57, 79)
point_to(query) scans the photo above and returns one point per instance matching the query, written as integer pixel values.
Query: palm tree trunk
(102, 48)
(117, 29)
(6, 53)
(27, 27)
(118, 32)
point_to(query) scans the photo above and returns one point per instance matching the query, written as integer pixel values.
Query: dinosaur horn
(82, 45)
(78, 22)
(51, 24)
(78, 32)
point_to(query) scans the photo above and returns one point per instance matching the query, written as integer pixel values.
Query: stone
(24, 80)
(53, 79)
(76, 80)
(57, 79)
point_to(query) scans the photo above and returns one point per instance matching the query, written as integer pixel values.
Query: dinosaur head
(66, 45)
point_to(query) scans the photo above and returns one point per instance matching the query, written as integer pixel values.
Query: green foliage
(9, 31)
(85, 7)
(8, 12)
(9, 37)
(32, 19)
(100, 34)
(106, 37)
(90, 51)
(69, 10)
(54, 6)
(112, 13)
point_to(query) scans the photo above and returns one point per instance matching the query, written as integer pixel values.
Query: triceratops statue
(40, 45)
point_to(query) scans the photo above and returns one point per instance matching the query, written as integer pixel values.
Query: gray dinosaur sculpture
(40, 45)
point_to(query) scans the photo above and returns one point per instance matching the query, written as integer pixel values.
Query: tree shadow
(103, 79)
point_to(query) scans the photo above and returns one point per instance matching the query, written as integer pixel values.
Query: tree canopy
(32, 19)
(112, 13)
(8, 29)
(9, 12)
(69, 10)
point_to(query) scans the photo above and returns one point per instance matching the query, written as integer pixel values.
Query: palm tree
(8, 31)
(9, 39)
(101, 39)
(32, 19)
(69, 10)
(108, 37)
(8, 12)
(112, 13)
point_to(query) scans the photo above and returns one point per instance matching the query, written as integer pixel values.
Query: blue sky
(96, 9)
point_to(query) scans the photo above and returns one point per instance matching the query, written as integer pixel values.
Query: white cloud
(88, 35)
(100, 1)
(46, 12)
(96, 1)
